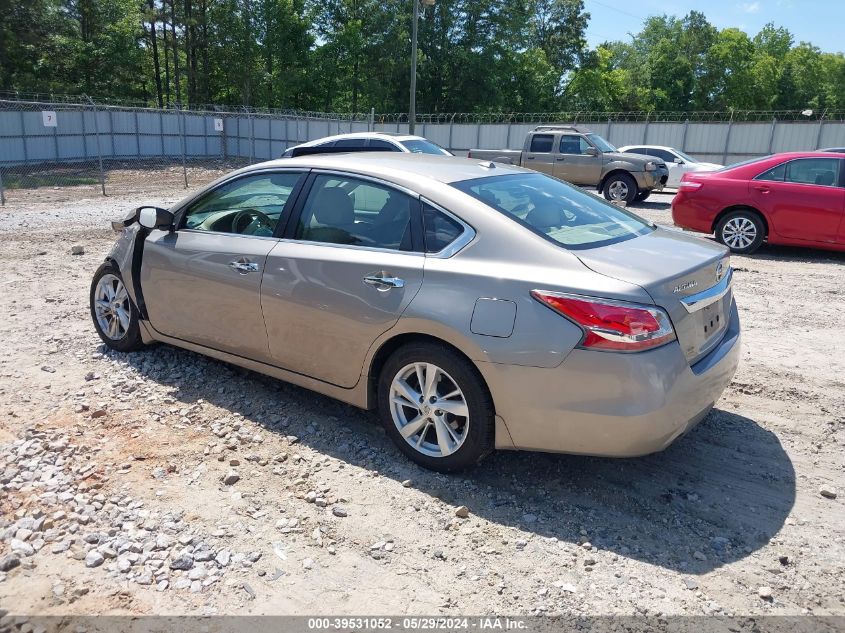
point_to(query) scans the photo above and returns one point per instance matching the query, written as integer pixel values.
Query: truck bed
(508, 156)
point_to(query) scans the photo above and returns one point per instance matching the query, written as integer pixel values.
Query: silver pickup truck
(577, 155)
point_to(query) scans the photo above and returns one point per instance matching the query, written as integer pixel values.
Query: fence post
(251, 138)
(287, 134)
(609, 126)
(371, 124)
(137, 135)
(181, 115)
(645, 131)
(508, 139)
(772, 134)
(819, 134)
(2, 190)
(56, 142)
(451, 125)
(99, 151)
(728, 139)
(684, 138)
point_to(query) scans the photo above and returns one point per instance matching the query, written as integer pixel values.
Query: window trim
(181, 212)
(456, 245)
(415, 221)
(838, 182)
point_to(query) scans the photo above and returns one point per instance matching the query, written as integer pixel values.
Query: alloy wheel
(429, 409)
(111, 307)
(618, 190)
(739, 232)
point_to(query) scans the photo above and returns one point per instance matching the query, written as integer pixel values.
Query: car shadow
(713, 497)
(654, 205)
(798, 254)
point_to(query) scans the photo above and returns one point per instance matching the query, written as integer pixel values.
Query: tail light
(690, 185)
(611, 325)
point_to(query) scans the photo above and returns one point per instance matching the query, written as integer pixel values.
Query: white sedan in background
(677, 162)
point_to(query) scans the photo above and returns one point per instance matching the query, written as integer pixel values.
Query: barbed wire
(572, 116)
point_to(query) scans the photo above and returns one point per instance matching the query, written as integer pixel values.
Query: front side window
(342, 210)
(562, 213)
(542, 143)
(251, 205)
(573, 144)
(423, 146)
(813, 171)
(662, 154)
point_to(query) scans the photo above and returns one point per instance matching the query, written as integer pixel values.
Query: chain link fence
(67, 147)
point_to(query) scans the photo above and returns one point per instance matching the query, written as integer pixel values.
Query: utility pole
(412, 111)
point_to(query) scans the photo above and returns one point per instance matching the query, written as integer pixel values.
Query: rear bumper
(688, 213)
(609, 404)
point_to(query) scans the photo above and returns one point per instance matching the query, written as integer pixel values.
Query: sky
(819, 22)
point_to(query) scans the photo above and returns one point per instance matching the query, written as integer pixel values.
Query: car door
(574, 162)
(201, 282)
(676, 169)
(802, 198)
(343, 274)
(540, 155)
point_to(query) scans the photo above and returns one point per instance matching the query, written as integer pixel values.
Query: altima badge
(685, 286)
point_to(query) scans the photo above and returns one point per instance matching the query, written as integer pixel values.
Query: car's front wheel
(620, 187)
(741, 231)
(115, 316)
(642, 195)
(435, 406)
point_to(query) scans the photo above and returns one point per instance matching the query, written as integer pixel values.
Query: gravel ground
(166, 482)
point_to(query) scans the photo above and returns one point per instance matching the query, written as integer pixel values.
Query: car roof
(397, 166)
(381, 135)
(666, 147)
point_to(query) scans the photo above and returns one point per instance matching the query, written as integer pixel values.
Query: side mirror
(677, 160)
(591, 151)
(155, 218)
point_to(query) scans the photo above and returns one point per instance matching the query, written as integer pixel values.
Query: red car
(797, 198)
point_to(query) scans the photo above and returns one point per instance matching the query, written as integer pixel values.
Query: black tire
(479, 439)
(621, 180)
(642, 195)
(726, 231)
(130, 340)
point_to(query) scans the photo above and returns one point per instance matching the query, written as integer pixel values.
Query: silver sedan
(475, 305)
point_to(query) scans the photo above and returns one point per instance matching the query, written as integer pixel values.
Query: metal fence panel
(89, 147)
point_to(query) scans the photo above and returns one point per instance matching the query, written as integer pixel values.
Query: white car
(677, 162)
(368, 142)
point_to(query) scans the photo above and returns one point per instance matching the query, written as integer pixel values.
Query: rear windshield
(562, 213)
(422, 146)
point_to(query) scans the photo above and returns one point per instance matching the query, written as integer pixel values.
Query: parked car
(367, 142)
(677, 161)
(475, 306)
(577, 155)
(795, 198)
(835, 150)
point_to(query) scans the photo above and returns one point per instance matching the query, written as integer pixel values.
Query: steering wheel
(255, 216)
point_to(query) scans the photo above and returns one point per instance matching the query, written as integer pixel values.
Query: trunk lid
(671, 266)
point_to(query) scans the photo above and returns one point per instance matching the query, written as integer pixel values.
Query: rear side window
(351, 143)
(563, 214)
(377, 145)
(542, 143)
(422, 146)
(440, 229)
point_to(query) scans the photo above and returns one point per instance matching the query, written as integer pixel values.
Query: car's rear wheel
(620, 187)
(115, 316)
(741, 231)
(435, 406)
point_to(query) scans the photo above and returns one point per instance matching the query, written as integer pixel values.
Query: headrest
(333, 207)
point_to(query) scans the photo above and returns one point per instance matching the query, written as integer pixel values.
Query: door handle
(762, 188)
(243, 266)
(560, 158)
(383, 282)
(529, 158)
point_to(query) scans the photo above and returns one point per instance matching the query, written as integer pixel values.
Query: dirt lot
(112, 470)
